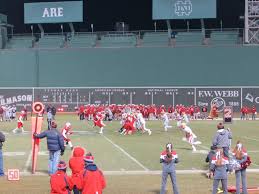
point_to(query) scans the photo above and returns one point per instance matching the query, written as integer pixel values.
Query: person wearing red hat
(77, 164)
(92, 178)
(60, 183)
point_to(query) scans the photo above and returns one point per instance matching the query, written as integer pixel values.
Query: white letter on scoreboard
(45, 13)
(53, 12)
(60, 12)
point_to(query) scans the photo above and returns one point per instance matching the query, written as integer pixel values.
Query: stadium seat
(51, 41)
(224, 37)
(20, 42)
(82, 41)
(189, 38)
(118, 40)
(155, 39)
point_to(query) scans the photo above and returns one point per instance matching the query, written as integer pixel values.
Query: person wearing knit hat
(92, 178)
(222, 138)
(60, 182)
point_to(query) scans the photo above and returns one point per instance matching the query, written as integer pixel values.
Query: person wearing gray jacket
(168, 158)
(220, 167)
(222, 139)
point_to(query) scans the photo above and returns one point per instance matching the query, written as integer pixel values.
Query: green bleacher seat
(189, 38)
(118, 40)
(82, 41)
(20, 42)
(155, 39)
(51, 41)
(224, 37)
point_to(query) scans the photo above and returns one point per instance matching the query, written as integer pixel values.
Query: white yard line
(126, 153)
(251, 138)
(28, 162)
(153, 172)
(253, 151)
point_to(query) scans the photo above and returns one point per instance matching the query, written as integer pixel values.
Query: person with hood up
(61, 183)
(92, 179)
(222, 139)
(77, 164)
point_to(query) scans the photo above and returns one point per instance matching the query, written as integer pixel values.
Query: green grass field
(131, 163)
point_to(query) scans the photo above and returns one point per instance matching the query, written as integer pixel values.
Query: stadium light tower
(252, 22)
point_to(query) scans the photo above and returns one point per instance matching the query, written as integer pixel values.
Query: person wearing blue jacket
(220, 168)
(55, 144)
(222, 139)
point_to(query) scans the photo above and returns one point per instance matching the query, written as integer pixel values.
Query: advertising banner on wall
(16, 97)
(69, 98)
(221, 96)
(53, 12)
(183, 9)
(250, 97)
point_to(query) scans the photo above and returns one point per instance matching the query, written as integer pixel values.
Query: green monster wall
(183, 66)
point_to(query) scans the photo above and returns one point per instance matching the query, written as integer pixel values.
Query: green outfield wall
(183, 66)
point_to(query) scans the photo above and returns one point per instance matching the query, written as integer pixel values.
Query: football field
(130, 163)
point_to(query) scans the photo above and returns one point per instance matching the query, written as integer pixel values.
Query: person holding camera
(2, 139)
(169, 158)
(55, 143)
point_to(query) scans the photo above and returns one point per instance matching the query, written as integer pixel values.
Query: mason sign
(53, 12)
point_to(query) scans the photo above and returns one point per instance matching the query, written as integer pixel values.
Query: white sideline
(28, 162)
(249, 138)
(126, 153)
(153, 172)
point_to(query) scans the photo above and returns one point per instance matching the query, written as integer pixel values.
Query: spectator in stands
(55, 143)
(60, 183)
(92, 178)
(222, 138)
(2, 139)
(76, 164)
(1, 114)
(169, 158)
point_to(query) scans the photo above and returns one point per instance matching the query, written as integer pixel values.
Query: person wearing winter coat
(92, 179)
(222, 139)
(220, 168)
(55, 144)
(240, 155)
(61, 183)
(77, 164)
(169, 158)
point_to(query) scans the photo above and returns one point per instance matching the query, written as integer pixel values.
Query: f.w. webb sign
(53, 12)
